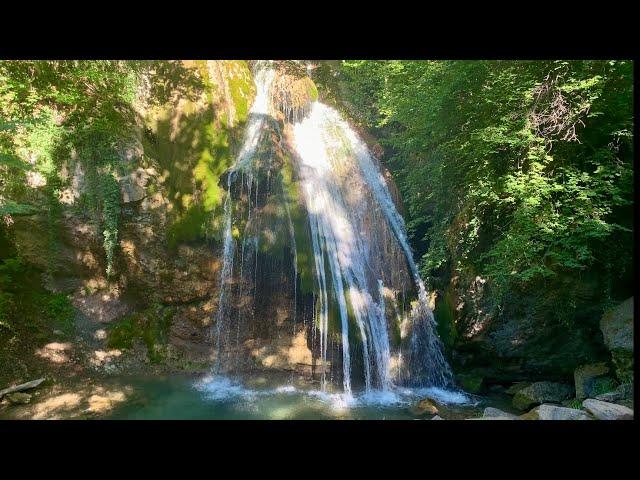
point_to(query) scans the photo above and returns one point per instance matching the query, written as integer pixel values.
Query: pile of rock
(601, 392)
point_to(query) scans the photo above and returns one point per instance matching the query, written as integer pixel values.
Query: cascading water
(360, 258)
(342, 185)
(245, 165)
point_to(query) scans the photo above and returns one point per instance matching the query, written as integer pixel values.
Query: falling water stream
(362, 262)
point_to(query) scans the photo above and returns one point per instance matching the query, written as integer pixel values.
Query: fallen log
(21, 387)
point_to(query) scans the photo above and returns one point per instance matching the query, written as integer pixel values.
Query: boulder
(493, 418)
(19, 398)
(617, 330)
(424, 407)
(607, 411)
(585, 376)
(609, 397)
(491, 412)
(530, 415)
(554, 412)
(623, 395)
(541, 392)
(516, 387)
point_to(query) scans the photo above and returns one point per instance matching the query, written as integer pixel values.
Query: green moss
(121, 335)
(193, 160)
(302, 234)
(574, 403)
(28, 313)
(188, 227)
(312, 90)
(242, 87)
(59, 310)
(196, 154)
(151, 327)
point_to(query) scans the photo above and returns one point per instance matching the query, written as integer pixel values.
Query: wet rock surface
(541, 392)
(424, 407)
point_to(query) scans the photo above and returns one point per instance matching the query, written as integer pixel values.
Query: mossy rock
(623, 362)
(149, 327)
(516, 387)
(617, 330)
(585, 378)
(541, 392)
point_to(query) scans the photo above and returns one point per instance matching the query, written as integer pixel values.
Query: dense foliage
(518, 171)
(53, 110)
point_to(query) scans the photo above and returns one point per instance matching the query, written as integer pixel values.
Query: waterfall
(360, 259)
(342, 184)
(226, 274)
(292, 236)
(253, 136)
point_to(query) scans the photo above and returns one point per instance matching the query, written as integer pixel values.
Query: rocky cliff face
(520, 341)
(617, 329)
(167, 253)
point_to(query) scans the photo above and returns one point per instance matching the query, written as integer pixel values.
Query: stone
(617, 330)
(424, 407)
(19, 398)
(516, 387)
(554, 412)
(492, 418)
(626, 402)
(437, 417)
(491, 412)
(530, 415)
(541, 392)
(623, 395)
(607, 411)
(609, 397)
(585, 376)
